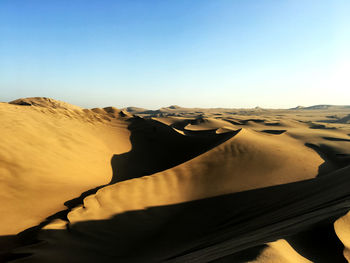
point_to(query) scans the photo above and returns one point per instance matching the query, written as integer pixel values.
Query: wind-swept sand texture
(49, 155)
(173, 185)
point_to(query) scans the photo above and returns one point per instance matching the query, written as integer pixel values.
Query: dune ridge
(175, 185)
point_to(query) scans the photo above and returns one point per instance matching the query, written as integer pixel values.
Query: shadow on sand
(155, 147)
(228, 228)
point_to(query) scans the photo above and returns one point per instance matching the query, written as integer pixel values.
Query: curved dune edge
(280, 252)
(202, 124)
(47, 148)
(58, 145)
(233, 166)
(44, 150)
(45, 102)
(49, 145)
(259, 215)
(342, 229)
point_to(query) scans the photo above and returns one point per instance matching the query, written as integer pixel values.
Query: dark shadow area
(208, 229)
(333, 160)
(29, 236)
(244, 122)
(79, 200)
(180, 125)
(23, 103)
(328, 165)
(25, 238)
(344, 120)
(277, 132)
(243, 256)
(230, 228)
(321, 127)
(336, 139)
(7, 244)
(157, 147)
(211, 132)
(327, 121)
(319, 243)
(272, 124)
(331, 119)
(232, 121)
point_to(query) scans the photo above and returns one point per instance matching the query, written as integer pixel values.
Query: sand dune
(47, 149)
(200, 231)
(173, 185)
(280, 251)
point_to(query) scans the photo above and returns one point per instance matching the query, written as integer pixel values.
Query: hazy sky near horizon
(193, 53)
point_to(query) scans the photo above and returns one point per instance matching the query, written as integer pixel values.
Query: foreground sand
(175, 185)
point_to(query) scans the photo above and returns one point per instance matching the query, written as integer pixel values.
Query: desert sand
(174, 184)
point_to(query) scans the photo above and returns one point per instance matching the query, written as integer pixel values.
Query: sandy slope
(51, 155)
(185, 185)
(281, 252)
(198, 231)
(233, 166)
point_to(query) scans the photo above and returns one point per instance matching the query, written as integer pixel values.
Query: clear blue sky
(206, 53)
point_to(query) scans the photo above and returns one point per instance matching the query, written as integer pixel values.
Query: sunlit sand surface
(174, 184)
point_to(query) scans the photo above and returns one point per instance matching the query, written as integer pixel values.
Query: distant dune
(345, 119)
(327, 107)
(174, 184)
(45, 102)
(135, 109)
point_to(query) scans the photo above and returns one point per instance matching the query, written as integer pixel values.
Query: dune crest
(45, 102)
(175, 184)
(280, 252)
(45, 150)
